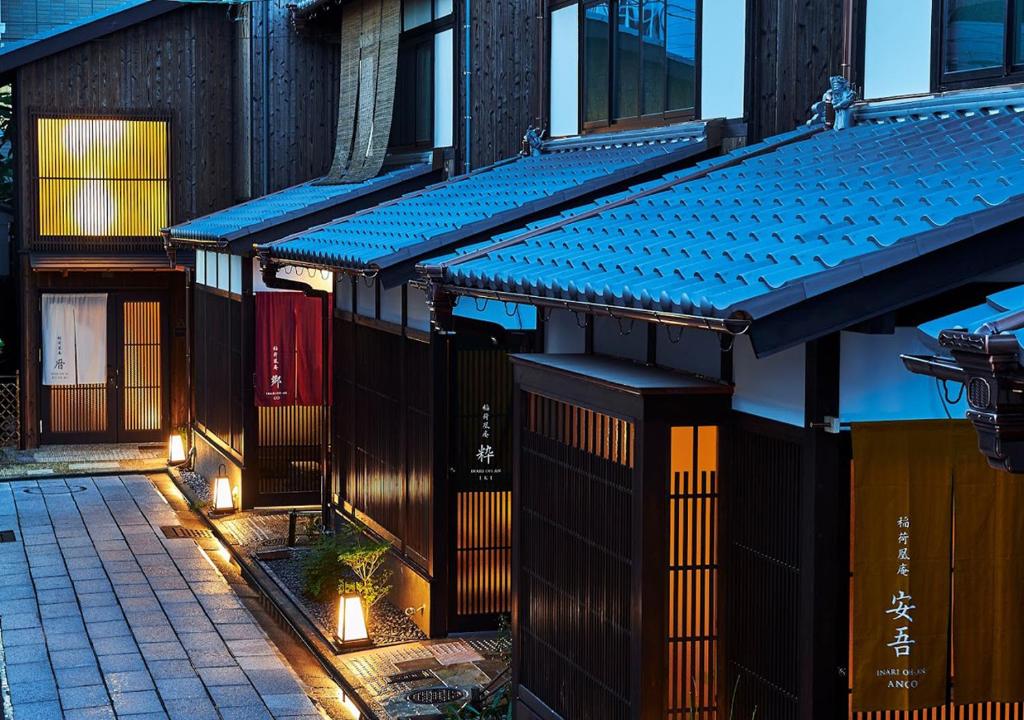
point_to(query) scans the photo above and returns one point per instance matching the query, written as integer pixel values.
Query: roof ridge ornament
(533, 141)
(836, 106)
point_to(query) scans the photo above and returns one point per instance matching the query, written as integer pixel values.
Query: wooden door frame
(115, 344)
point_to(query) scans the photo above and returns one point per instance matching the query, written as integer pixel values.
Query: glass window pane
(424, 93)
(975, 32)
(681, 44)
(653, 34)
(416, 13)
(627, 60)
(444, 7)
(595, 62)
(1018, 34)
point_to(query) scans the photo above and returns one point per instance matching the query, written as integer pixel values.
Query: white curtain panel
(74, 338)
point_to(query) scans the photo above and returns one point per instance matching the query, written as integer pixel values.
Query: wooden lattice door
(132, 405)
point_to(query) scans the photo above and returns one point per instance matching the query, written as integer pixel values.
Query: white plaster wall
(391, 305)
(317, 279)
(511, 316)
(418, 314)
(897, 48)
(874, 385)
(623, 340)
(343, 294)
(444, 78)
(723, 54)
(563, 335)
(565, 60)
(366, 297)
(697, 351)
(771, 387)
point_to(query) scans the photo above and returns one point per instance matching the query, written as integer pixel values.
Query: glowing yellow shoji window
(102, 177)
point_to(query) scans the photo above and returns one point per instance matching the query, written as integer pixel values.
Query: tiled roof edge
(1005, 99)
(693, 130)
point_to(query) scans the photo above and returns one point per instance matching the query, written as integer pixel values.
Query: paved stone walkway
(58, 460)
(101, 616)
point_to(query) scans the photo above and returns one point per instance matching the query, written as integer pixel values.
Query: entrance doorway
(132, 404)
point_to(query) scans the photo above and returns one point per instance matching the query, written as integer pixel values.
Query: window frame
(641, 121)
(1008, 72)
(408, 40)
(115, 243)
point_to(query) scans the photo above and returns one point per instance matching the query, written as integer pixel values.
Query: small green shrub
(365, 558)
(322, 570)
(497, 707)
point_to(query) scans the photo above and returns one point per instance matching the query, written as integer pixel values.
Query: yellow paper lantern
(351, 621)
(223, 498)
(176, 450)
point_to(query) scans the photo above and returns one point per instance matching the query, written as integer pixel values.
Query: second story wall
(175, 67)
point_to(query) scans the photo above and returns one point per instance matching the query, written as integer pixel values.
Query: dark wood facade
(613, 539)
(793, 47)
(177, 67)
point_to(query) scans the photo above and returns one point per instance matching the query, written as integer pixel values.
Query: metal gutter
(467, 69)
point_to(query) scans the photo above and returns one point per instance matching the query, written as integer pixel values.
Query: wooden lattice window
(101, 178)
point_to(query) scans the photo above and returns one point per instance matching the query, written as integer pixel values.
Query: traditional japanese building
(120, 129)
(727, 491)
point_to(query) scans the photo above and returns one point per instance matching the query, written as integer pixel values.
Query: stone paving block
(35, 690)
(243, 713)
(95, 599)
(214, 676)
(168, 582)
(154, 633)
(16, 592)
(170, 669)
(47, 576)
(230, 615)
(174, 596)
(39, 710)
(134, 591)
(86, 573)
(193, 709)
(275, 681)
(192, 626)
(179, 688)
(163, 651)
(117, 645)
(22, 605)
(84, 697)
(128, 680)
(20, 621)
(121, 663)
(236, 696)
(28, 636)
(28, 672)
(17, 654)
(240, 648)
(210, 658)
(102, 614)
(56, 595)
(107, 628)
(67, 641)
(289, 704)
(78, 676)
(58, 610)
(134, 703)
(63, 624)
(142, 601)
(83, 587)
(78, 657)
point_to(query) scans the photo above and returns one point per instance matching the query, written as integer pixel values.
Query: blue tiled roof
(774, 223)
(85, 29)
(437, 217)
(286, 205)
(997, 307)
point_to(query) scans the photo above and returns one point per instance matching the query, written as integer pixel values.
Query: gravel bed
(387, 624)
(197, 483)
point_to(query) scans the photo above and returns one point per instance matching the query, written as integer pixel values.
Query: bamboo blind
(102, 177)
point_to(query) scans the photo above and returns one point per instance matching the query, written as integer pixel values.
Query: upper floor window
(101, 178)
(981, 40)
(424, 104)
(639, 60)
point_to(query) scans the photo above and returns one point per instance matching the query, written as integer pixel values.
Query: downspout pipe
(271, 280)
(466, 71)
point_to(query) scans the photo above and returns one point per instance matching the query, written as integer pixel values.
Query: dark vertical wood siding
(760, 502)
(794, 46)
(576, 493)
(505, 79)
(302, 105)
(179, 65)
(384, 433)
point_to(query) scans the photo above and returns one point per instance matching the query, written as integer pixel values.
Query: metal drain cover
(7, 536)
(436, 695)
(55, 490)
(177, 531)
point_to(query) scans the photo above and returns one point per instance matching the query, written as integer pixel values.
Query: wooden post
(442, 367)
(824, 571)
